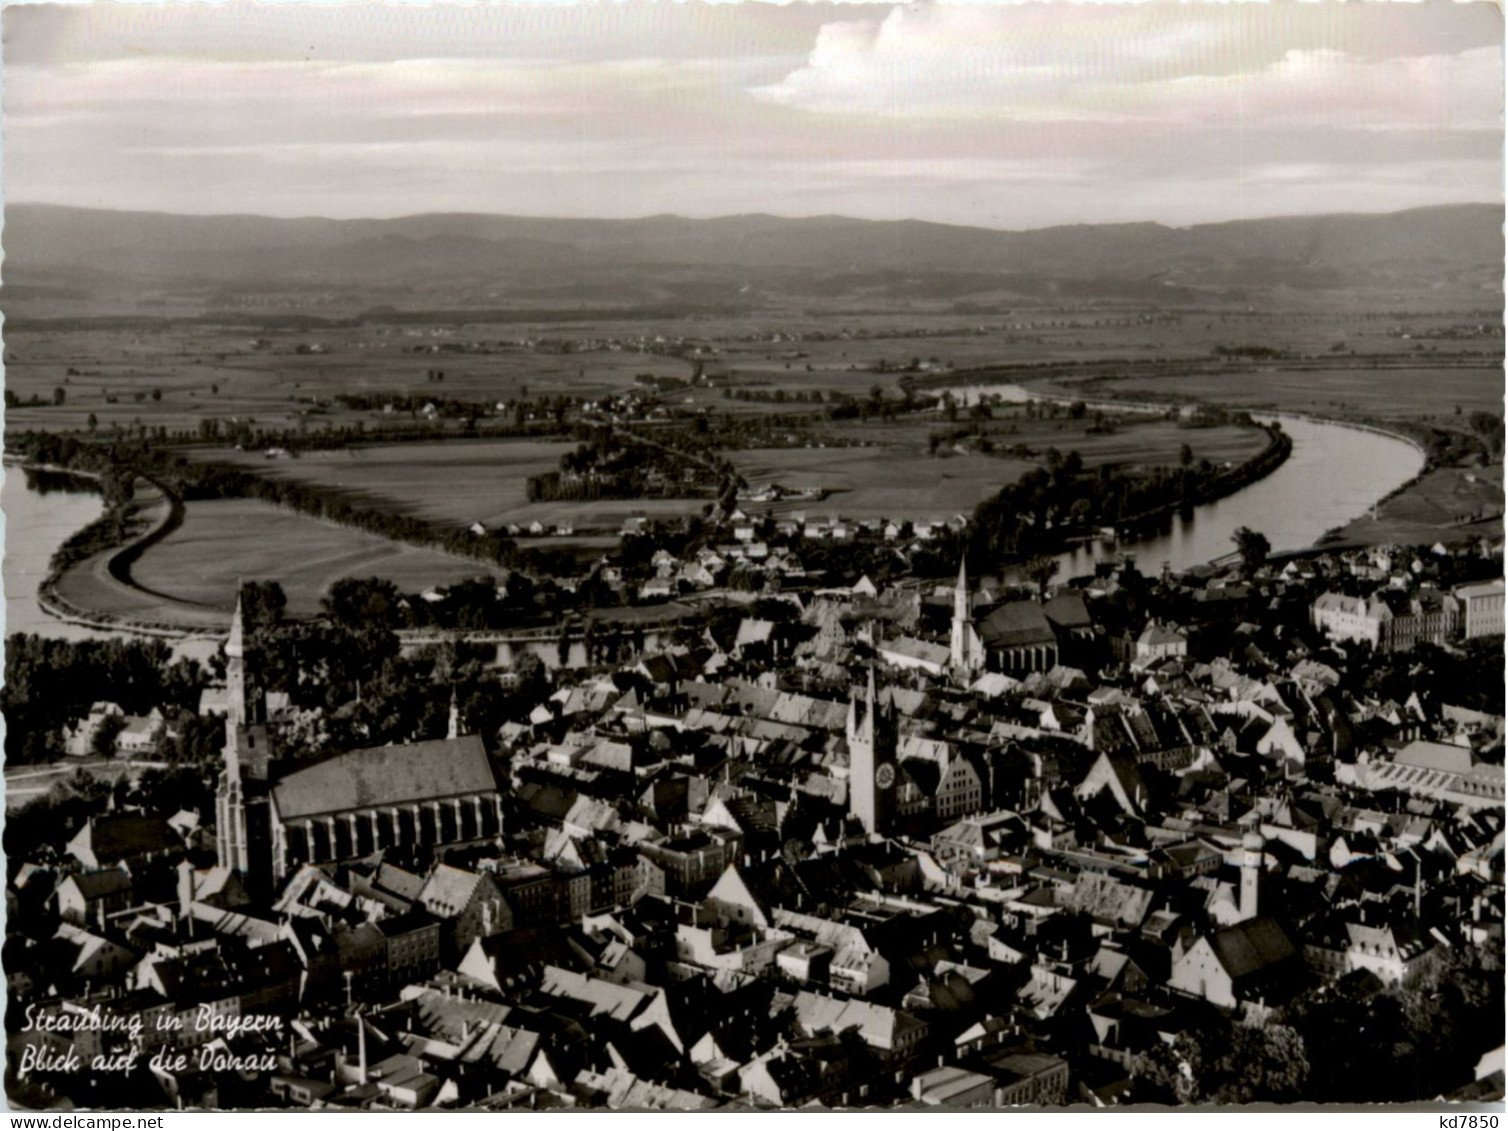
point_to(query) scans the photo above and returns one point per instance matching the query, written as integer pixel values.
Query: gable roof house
(123, 839)
(1248, 962)
(89, 897)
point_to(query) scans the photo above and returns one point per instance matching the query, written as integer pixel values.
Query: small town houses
(949, 844)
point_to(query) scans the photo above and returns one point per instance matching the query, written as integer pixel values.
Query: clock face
(884, 777)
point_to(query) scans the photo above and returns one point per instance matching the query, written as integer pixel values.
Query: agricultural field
(90, 585)
(878, 482)
(1387, 394)
(1155, 443)
(1136, 440)
(1448, 504)
(456, 482)
(177, 373)
(893, 475)
(221, 374)
(224, 540)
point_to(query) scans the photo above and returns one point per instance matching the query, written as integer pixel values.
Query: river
(1334, 474)
(37, 522)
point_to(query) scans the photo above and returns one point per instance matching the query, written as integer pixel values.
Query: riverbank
(1223, 484)
(1320, 476)
(1445, 502)
(92, 567)
(93, 558)
(1338, 470)
(1175, 491)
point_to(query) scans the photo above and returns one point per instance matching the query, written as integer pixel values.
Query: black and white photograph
(752, 557)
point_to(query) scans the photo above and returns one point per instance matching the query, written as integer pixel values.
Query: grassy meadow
(204, 368)
(1390, 394)
(178, 373)
(1447, 503)
(224, 540)
(455, 482)
(878, 482)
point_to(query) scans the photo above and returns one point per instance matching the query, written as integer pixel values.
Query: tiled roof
(118, 836)
(97, 885)
(1016, 624)
(1251, 946)
(448, 891)
(386, 776)
(1067, 610)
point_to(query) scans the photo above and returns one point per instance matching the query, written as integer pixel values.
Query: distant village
(1233, 835)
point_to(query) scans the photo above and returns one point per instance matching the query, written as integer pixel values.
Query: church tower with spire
(240, 793)
(871, 759)
(230, 801)
(453, 728)
(964, 650)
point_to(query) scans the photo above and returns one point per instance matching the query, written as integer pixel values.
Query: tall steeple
(962, 651)
(454, 729)
(235, 688)
(231, 845)
(871, 759)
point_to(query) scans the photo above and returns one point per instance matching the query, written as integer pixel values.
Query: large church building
(1014, 637)
(271, 819)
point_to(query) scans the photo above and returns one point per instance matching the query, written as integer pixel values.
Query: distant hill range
(80, 254)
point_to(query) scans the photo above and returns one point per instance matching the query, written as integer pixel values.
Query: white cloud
(1012, 114)
(1156, 63)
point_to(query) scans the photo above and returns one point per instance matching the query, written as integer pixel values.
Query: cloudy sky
(1009, 115)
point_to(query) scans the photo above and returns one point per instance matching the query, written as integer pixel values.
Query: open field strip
(223, 541)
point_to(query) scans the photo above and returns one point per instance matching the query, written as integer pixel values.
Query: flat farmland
(600, 517)
(1392, 394)
(91, 585)
(1143, 444)
(879, 482)
(223, 541)
(893, 475)
(1450, 504)
(458, 482)
(453, 482)
(177, 376)
(1137, 440)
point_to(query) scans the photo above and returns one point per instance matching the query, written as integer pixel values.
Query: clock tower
(871, 759)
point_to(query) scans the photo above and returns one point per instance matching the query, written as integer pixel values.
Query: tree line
(1035, 514)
